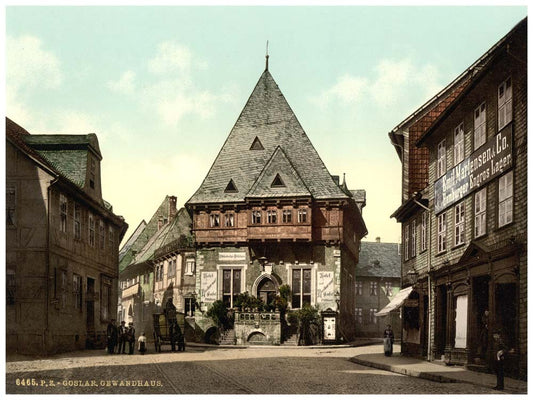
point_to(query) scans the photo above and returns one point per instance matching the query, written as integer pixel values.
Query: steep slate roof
(267, 116)
(378, 260)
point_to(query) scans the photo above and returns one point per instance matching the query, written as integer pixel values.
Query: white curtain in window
(461, 321)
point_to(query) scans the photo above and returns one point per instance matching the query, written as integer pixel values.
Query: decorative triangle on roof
(257, 145)
(231, 188)
(277, 182)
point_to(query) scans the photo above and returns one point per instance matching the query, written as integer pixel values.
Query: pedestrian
(501, 355)
(388, 340)
(122, 337)
(170, 311)
(142, 343)
(131, 338)
(112, 336)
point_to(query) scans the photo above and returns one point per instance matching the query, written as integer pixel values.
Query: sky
(163, 86)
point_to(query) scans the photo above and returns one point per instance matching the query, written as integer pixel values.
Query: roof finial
(266, 67)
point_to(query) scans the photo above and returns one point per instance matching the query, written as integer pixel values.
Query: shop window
(505, 199)
(301, 287)
(480, 126)
(231, 286)
(459, 236)
(505, 103)
(441, 158)
(62, 213)
(441, 233)
(480, 212)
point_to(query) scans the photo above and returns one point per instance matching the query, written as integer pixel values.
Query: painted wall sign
(485, 164)
(235, 256)
(325, 286)
(208, 286)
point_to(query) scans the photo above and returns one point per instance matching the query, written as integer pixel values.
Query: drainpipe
(428, 235)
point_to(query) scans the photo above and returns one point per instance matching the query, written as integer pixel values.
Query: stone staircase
(227, 338)
(291, 340)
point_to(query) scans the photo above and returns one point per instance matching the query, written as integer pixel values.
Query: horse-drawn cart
(169, 331)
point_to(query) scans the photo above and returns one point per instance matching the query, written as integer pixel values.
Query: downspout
(428, 235)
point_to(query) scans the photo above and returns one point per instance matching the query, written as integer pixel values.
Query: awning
(396, 301)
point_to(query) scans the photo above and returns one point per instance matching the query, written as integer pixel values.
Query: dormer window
(277, 182)
(231, 188)
(257, 145)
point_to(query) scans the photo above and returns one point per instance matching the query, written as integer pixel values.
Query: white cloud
(171, 57)
(125, 84)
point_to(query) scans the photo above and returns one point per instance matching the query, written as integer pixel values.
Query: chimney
(378, 240)
(172, 211)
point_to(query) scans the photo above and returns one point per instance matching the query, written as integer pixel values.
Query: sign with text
(325, 286)
(208, 286)
(235, 256)
(486, 163)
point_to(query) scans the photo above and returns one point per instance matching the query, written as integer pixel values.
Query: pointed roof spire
(266, 66)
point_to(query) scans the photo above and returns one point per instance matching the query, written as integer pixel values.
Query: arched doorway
(267, 290)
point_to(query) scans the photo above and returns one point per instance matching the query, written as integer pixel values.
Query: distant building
(465, 221)
(377, 280)
(268, 214)
(163, 268)
(62, 243)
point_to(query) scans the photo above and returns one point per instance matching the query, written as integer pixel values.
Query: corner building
(269, 213)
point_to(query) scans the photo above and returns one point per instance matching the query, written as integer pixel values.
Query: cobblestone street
(256, 370)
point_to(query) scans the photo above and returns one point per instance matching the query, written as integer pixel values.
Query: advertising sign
(486, 163)
(325, 287)
(209, 286)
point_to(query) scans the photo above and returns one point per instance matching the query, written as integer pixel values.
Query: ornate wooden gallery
(268, 214)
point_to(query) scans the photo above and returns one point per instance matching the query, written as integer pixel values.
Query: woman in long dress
(388, 339)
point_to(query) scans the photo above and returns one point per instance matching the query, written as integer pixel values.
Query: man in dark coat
(112, 336)
(388, 340)
(131, 338)
(122, 337)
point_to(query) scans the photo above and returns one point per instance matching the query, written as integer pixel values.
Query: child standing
(142, 343)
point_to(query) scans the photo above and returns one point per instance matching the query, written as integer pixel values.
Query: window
(358, 288)
(277, 182)
(413, 238)
(373, 288)
(111, 236)
(190, 306)
(359, 315)
(77, 221)
(105, 299)
(231, 188)
(388, 288)
(406, 241)
(256, 217)
(459, 237)
(423, 232)
(189, 266)
(62, 213)
(441, 158)
(302, 216)
(61, 288)
(76, 291)
(441, 233)
(229, 220)
(505, 199)
(231, 286)
(11, 287)
(373, 319)
(171, 268)
(505, 103)
(214, 220)
(101, 235)
(93, 172)
(480, 213)
(11, 201)
(458, 144)
(287, 216)
(146, 278)
(91, 230)
(272, 216)
(301, 287)
(480, 126)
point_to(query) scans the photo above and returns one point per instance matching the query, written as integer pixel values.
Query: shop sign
(325, 287)
(485, 164)
(411, 303)
(236, 256)
(208, 287)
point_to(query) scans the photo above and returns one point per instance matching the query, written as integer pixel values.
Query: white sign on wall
(461, 321)
(235, 256)
(325, 286)
(208, 286)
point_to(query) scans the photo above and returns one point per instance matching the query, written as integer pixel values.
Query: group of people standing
(121, 335)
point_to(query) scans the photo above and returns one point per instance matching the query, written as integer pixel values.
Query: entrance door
(266, 291)
(90, 305)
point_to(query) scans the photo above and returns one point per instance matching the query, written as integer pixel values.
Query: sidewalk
(436, 371)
